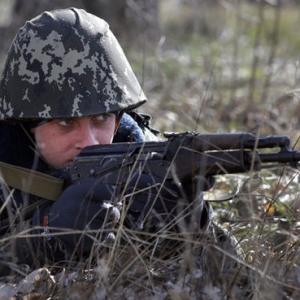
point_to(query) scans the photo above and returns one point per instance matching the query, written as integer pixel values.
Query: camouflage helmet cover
(66, 63)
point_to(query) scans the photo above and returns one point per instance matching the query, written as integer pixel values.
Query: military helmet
(66, 63)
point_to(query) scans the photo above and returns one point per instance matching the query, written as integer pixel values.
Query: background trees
(132, 21)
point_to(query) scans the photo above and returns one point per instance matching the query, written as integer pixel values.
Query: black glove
(83, 208)
(167, 209)
(161, 204)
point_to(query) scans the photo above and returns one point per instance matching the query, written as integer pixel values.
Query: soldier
(66, 85)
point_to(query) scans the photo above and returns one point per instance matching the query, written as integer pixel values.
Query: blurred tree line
(132, 21)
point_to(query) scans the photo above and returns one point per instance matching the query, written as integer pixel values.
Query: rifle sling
(32, 182)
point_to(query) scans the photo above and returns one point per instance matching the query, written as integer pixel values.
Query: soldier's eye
(102, 117)
(65, 122)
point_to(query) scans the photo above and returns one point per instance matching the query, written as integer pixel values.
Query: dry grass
(233, 67)
(223, 68)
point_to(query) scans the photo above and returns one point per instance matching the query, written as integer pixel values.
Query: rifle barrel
(281, 157)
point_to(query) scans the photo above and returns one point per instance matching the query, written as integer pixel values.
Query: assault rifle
(181, 156)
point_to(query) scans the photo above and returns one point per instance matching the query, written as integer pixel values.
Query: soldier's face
(60, 140)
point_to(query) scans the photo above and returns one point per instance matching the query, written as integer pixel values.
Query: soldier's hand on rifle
(82, 214)
(155, 202)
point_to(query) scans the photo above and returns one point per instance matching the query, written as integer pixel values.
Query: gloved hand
(158, 203)
(83, 208)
